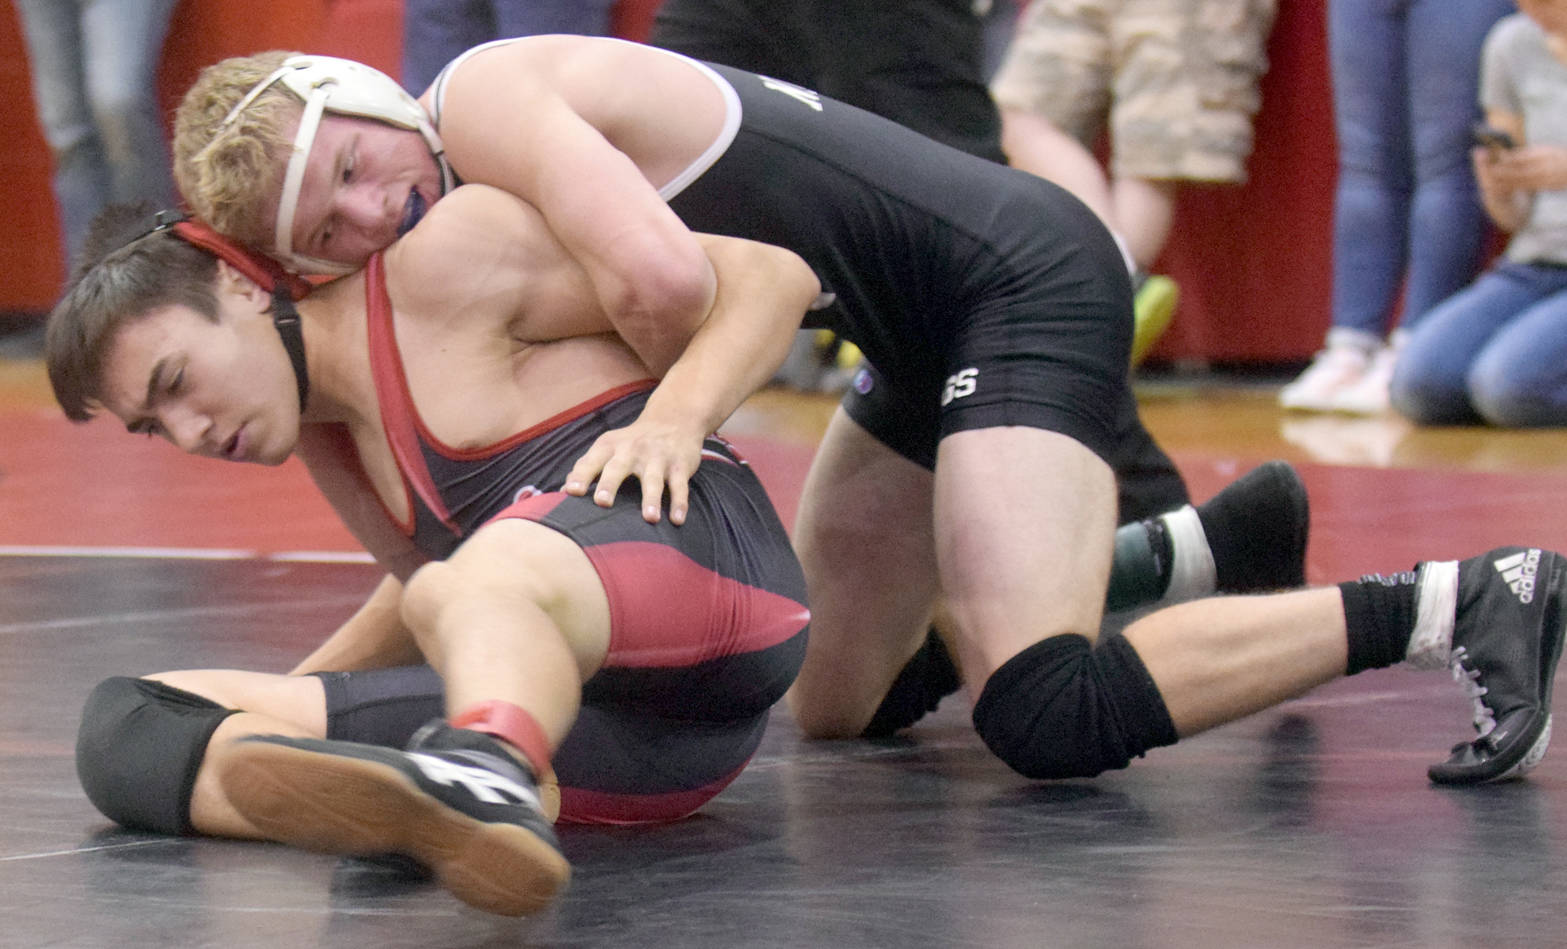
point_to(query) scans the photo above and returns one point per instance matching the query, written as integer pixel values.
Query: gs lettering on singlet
(960, 384)
(812, 99)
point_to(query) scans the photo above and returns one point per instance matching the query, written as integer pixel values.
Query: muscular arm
(373, 638)
(763, 292)
(506, 122)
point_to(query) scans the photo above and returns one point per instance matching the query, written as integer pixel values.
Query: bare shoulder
(473, 217)
(477, 240)
(539, 78)
(485, 258)
(546, 60)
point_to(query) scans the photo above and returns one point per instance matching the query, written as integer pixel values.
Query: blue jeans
(436, 31)
(1495, 352)
(94, 68)
(1407, 213)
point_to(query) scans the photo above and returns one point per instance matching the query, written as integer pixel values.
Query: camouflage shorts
(1175, 79)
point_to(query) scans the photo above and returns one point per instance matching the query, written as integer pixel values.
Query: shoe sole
(337, 804)
(1535, 755)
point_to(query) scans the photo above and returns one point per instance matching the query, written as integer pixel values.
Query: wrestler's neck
(332, 323)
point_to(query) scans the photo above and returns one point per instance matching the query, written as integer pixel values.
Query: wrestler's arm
(374, 637)
(500, 245)
(763, 292)
(506, 125)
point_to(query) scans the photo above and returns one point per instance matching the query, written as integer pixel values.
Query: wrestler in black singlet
(982, 295)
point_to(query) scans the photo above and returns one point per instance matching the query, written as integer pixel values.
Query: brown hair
(228, 173)
(122, 278)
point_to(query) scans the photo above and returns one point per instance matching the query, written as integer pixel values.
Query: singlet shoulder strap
(393, 396)
(438, 87)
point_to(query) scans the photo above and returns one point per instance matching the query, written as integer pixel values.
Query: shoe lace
(1469, 679)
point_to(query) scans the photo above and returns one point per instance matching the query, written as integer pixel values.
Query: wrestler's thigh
(513, 560)
(1024, 528)
(297, 700)
(864, 537)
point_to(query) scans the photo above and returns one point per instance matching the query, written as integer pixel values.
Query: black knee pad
(138, 750)
(1060, 709)
(924, 681)
(381, 706)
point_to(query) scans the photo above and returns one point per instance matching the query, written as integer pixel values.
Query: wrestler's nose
(368, 208)
(188, 430)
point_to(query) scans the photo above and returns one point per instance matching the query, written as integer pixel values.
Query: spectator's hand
(662, 457)
(1528, 168)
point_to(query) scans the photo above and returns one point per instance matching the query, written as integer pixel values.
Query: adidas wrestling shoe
(1507, 638)
(455, 801)
(1257, 528)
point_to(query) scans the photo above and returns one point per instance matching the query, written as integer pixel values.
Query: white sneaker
(1369, 396)
(1333, 371)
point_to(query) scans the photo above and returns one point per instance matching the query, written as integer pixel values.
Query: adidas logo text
(1520, 570)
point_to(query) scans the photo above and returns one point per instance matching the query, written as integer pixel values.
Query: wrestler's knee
(1061, 709)
(427, 592)
(138, 749)
(823, 714)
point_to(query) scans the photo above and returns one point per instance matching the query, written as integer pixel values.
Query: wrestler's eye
(348, 168)
(177, 382)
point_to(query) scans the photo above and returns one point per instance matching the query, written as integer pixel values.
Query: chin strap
(286, 319)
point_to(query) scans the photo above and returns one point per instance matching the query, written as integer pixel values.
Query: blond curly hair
(228, 174)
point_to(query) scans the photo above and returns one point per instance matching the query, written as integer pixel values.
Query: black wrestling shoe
(1257, 529)
(1507, 638)
(455, 801)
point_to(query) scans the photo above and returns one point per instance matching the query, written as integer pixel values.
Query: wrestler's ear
(232, 283)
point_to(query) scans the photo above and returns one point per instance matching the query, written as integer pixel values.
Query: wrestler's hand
(661, 456)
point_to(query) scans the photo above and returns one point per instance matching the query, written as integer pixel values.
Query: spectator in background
(917, 62)
(1405, 74)
(94, 67)
(1175, 81)
(1497, 351)
(436, 31)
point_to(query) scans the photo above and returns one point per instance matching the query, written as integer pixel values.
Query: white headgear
(342, 87)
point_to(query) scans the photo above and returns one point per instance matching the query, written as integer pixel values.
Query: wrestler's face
(365, 184)
(221, 389)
